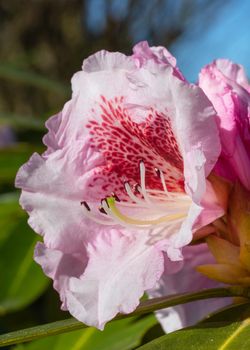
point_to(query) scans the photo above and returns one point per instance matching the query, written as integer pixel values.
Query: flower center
(158, 210)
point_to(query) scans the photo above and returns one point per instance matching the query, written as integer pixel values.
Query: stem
(147, 306)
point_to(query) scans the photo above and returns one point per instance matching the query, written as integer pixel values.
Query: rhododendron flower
(227, 87)
(121, 182)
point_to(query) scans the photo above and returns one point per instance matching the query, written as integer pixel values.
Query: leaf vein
(229, 340)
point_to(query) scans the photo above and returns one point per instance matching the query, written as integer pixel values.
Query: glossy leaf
(225, 330)
(22, 281)
(122, 335)
(11, 158)
(22, 121)
(146, 306)
(10, 211)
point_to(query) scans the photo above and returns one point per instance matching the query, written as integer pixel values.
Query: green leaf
(228, 329)
(22, 121)
(122, 335)
(10, 211)
(10, 71)
(22, 280)
(12, 158)
(147, 306)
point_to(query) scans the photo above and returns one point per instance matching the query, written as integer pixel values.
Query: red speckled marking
(124, 143)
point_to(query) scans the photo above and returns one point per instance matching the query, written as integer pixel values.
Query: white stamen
(131, 194)
(160, 211)
(164, 183)
(96, 218)
(143, 182)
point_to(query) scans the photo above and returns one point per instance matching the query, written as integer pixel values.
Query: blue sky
(221, 30)
(227, 35)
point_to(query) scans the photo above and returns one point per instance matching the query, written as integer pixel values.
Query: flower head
(121, 182)
(227, 87)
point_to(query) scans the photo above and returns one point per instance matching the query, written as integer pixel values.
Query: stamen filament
(164, 184)
(143, 182)
(95, 218)
(131, 194)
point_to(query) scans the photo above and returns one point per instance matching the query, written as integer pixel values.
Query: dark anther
(105, 200)
(136, 188)
(158, 172)
(86, 205)
(101, 210)
(141, 161)
(115, 196)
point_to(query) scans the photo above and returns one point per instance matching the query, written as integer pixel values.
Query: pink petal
(226, 86)
(186, 279)
(234, 72)
(52, 192)
(56, 127)
(60, 267)
(159, 54)
(182, 236)
(105, 60)
(210, 210)
(120, 268)
(96, 293)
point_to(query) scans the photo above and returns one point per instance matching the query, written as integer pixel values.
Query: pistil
(111, 207)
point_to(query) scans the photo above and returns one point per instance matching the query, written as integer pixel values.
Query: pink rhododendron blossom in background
(134, 146)
(7, 137)
(226, 86)
(182, 278)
